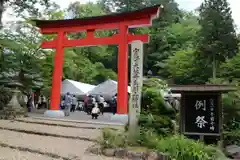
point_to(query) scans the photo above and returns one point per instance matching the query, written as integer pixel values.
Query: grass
(178, 147)
(138, 149)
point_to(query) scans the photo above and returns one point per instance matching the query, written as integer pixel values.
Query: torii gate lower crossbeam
(121, 21)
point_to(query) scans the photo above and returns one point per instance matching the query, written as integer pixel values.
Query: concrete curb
(79, 121)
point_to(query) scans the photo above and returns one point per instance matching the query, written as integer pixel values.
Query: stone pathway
(13, 154)
(62, 131)
(82, 116)
(76, 123)
(21, 145)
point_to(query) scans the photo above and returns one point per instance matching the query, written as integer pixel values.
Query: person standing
(67, 104)
(90, 104)
(43, 102)
(101, 103)
(62, 104)
(74, 103)
(85, 105)
(30, 103)
(114, 104)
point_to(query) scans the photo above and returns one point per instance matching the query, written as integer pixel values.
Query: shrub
(154, 83)
(153, 102)
(161, 125)
(117, 139)
(5, 96)
(232, 137)
(231, 119)
(147, 138)
(113, 139)
(180, 148)
(155, 114)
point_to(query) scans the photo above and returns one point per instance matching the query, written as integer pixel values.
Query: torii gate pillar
(120, 21)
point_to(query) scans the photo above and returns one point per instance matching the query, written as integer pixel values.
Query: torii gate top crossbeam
(138, 18)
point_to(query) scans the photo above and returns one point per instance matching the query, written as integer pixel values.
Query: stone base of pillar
(54, 113)
(120, 118)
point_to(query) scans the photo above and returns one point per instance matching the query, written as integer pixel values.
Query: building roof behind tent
(137, 14)
(84, 87)
(201, 88)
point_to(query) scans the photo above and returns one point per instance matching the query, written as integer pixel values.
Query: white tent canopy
(106, 89)
(76, 88)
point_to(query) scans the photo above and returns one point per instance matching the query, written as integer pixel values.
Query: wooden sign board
(201, 114)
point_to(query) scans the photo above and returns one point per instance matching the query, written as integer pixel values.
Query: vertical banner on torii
(136, 83)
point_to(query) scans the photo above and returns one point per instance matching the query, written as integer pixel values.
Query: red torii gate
(121, 21)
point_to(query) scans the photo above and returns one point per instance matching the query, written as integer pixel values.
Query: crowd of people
(30, 101)
(92, 105)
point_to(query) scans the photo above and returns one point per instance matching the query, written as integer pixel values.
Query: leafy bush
(113, 139)
(147, 138)
(5, 96)
(232, 137)
(155, 114)
(153, 103)
(231, 112)
(180, 148)
(154, 83)
(162, 125)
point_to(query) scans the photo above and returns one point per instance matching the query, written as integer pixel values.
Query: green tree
(124, 5)
(78, 10)
(231, 68)
(22, 59)
(161, 42)
(185, 68)
(21, 7)
(178, 36)
(102, 57)
(218, 40)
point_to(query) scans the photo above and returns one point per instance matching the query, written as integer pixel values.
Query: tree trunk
(1, 12)
(214, 67)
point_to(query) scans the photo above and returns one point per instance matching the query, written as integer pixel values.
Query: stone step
(66, 123)
(54, 130)
(14, 154)
(60, 146)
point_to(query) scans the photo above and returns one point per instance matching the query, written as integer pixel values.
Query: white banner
(136, 81)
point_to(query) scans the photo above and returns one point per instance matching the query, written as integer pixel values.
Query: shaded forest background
(185, 47)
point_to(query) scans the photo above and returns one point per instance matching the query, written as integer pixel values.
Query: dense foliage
(175, 52)
(181, 148)
(218, 40)
(178, 147)
(185, 48)
(156, 115)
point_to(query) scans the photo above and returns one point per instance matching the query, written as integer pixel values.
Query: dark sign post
(201, 109)
(202, 114)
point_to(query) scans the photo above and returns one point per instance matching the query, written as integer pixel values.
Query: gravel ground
(76, 132)
(63, 147)
(60, 146)
(70, 123)
(12, 154)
